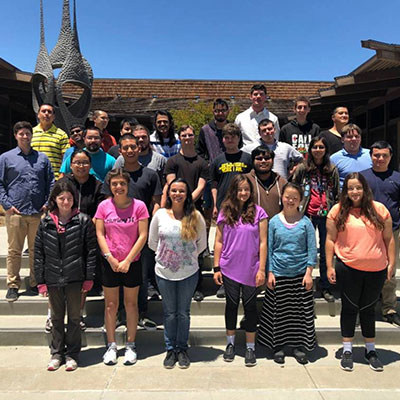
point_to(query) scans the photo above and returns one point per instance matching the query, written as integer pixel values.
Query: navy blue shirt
(385, 187)
(25, 180)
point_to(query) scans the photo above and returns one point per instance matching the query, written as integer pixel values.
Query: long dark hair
(231, 206)
(59, 187)
(326, 167)
(171, 131)
(190, 220)
(367, 206)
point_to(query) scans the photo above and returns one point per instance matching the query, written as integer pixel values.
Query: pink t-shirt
(121, 226)
(240, 258)
(361, 245)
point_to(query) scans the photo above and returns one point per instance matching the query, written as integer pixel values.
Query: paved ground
(23, 377)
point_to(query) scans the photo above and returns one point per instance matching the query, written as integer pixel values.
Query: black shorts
(130, 279)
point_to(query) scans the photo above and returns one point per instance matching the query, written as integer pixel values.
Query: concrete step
(205, 330)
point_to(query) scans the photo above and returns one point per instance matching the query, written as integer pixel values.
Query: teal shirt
(291, 250)
(102, 163)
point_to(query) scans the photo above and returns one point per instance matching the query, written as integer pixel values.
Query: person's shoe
(170, 359)
(82, 324)
(250, 358)
(152, 294)
(300, 357)
(327, 295)
(229, 353)
(71, 364)
(183, 359)
(373, 360)
(12, 294)
(279, 357)
(110, 356)
(130, 357)
(48, 326)
(53, 364)
(393, 319)
(346, 363)
(198, 296)
(147, 324)
(221, 292)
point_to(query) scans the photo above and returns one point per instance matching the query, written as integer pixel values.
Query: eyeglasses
(129, 146)
(261, 158)
(76, 131)
(317, 147)
(81, 163)
(352, 137)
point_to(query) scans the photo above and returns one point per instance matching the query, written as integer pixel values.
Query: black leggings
(359, 292)
(249, 299)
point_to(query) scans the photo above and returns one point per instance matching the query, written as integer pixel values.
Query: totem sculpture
(74, 69)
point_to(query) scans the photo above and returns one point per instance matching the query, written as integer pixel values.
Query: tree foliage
(198, 114)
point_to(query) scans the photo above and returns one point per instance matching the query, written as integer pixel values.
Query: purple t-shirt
(240, 258)
(121, 226)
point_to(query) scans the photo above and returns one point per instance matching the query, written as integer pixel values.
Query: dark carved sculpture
(75, 70)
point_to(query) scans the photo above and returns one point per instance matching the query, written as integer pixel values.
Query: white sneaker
(110, 356)
(71, 364)
(130, 356)
(53, 364)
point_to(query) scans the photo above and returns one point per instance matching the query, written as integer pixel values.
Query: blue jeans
(176, 300)
(320, 223)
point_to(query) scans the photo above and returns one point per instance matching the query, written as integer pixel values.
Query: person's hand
(307, 281)
(44, 208)
(114, 263)
(260, 278)
(87, 286)
(390, 272)
(42, 288)
(218, 278)
(271, 281)
(12, 210)
(215, 213)
(124, 266)
(331, 274)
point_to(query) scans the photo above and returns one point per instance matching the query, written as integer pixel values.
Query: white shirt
(248, 122)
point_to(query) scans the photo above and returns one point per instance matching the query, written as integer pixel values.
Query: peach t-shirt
(361, 245)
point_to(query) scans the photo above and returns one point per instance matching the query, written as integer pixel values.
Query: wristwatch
(106, 255)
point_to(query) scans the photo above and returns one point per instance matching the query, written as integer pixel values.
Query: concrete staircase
(22, 322)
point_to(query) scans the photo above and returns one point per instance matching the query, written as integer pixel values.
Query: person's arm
(271, 276)
(137, 247)
(262, 230)
(217, 253)
(311, 256)
(196, 194)
(201, 241)
(331, 235)
(39, 259)
(154, 232)
(101, 240)
(390, 247)
(214, 194)
(201, 148)
(156, 201)
(91, 249)
(64, 144)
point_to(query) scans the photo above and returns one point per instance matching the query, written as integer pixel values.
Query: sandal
(279, 357)
(300, 357)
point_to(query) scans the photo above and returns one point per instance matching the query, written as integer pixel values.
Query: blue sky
(208, 39)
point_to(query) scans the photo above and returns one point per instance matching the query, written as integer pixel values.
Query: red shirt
(108, 141)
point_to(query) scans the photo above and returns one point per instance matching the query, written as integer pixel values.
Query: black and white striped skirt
(287, 317)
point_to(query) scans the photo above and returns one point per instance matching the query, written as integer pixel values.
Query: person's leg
(147, 262)
(232, 290)
(389, 298)
(249, 299)
(131, 309)
(111, 302)
(185, 290)
(73, 333)
(168, 291)
(33, 222)
(57, 301)
(16, 232)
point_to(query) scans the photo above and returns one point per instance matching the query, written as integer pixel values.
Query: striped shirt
(53, 143)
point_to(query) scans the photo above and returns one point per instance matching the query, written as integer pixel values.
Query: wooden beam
(369, 86)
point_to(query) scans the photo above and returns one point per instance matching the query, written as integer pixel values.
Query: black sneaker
(147, 324)
(346, 363)
(393, 319)
(250, 358)
(229, 353)
(170, 359)
(12, 294)
(183, 359)
(327, 295)
(198, 296)
(221, 292)
(300, 356)
(373, 360)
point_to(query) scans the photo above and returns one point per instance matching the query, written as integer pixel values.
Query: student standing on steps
(359, 232)
(240, 254)
(177, 235)
(287, 318)
(121, 227)
(65, 261)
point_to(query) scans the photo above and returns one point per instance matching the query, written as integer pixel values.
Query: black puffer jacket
(76, 262)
